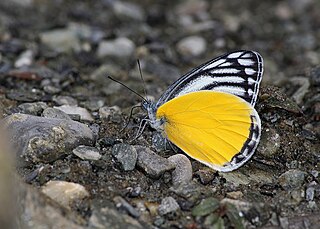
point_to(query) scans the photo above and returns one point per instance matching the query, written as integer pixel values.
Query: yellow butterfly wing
(218, 129)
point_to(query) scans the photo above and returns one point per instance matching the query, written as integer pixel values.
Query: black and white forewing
(238, 73)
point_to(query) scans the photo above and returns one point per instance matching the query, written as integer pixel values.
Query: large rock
(38, 139)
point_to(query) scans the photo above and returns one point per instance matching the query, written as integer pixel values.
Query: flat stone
(151, 163)
(126, 155)
(38, 139)
(168, 205)
(55, 113)
(292, 179)
(119, 47)
(74, 110)
(183, 171)
(87, 153)
(65, 100)
(65, 193)
(32, 108)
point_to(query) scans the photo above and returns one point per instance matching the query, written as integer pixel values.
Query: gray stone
(106, 216)
(61, 40)
(74, 110)
(93, 104)
(183, 171)
(39, 139)
(168, 205)
(192, 46)
(206, 206)
(128, 10)
(292, 179)
(87, 153)
(65, 100)
(64, 193)
(55, 113)
(152, 163)
(126, 155)
(119, 47)
(32, 108)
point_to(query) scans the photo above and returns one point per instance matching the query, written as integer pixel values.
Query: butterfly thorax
(154, 121)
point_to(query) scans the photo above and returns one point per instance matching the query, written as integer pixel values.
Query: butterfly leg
(130, 116)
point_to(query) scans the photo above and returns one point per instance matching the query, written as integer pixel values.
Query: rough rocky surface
(59, 54)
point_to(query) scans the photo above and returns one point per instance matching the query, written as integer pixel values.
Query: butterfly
(209, 112)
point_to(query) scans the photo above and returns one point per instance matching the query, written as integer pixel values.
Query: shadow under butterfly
(209, 112)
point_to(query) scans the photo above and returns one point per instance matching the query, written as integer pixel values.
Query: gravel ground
(72, 164)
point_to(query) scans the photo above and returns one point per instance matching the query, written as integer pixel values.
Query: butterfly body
(209, 112)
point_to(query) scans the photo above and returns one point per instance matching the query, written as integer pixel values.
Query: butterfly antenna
(117, 81)
(143, 82)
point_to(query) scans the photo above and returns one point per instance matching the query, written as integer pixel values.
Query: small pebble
(123, 204)
(87, 153)
(128, 11)
(292, 179)
(152, 163)
(205, 175)
(183, 171)
(32, 108)
(65, 193)
(120, 47)
(192, 46)
(61, 40)
(206, 207)
(168, 205)
(55, 113)
(106, 112)
(25, 59)
(126, 155)
(74, 110)
(65, 100)
(235, 195)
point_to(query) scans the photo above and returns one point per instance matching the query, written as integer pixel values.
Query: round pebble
(183, 171)
(192, 46)
(168, 205)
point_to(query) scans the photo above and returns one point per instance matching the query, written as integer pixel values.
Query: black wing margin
(238, 73)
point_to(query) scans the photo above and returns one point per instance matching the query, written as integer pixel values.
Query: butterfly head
(151, 108)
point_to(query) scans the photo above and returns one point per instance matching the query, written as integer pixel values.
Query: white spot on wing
(246, 62)
(251, 80)
(225, 71)
(231, 89)
(226, 64)
(249, 71)
(197, 84)
(228, 79)
(235, 55)
(247, 55)
(214, 64)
